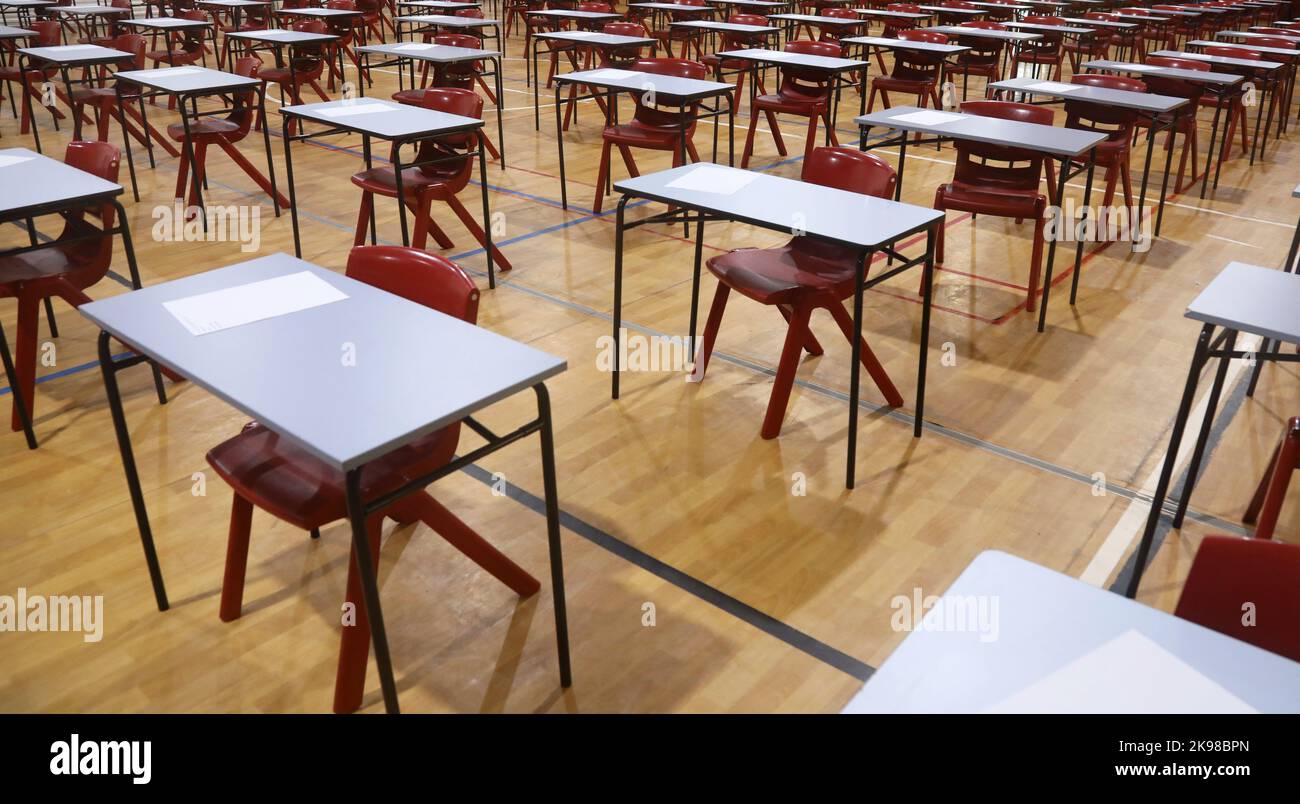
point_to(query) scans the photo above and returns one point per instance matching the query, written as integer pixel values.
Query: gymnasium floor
(698, 580)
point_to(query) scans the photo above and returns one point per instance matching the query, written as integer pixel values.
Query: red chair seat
(1004, 203)
(294, 485)
(643, 136)
(778, 275)
(888, 83)
(411, 97)
(415, 180)
(280, 75)
(25, 271)
(204, 127)
(790, 104)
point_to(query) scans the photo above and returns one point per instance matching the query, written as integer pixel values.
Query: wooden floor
(762, 599)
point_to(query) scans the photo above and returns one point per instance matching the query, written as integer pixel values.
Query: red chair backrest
(93, 255)
(655, 117)
(914, 65)
(457, 73)
(456, 168)
(801, 82)
(1013, 175)
(435, 282)
(739, 41)
(1231, 577)
(1232, 52)
(1117, 123)
(135, 44)
(598, 8)
(48, 33)
(1272, 41)
(623, 56)
(838, 13)
(1175, 87)
(850, 169)
(243, 108)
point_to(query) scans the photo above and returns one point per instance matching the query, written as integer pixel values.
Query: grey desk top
(277, 36)
(445, 5)
(1152, 20)
(1052, 3)
(754, 3)
(1120, 98)
(729, 27)
(1255, 29)
(1172, 72)
(233, 3)
(89, 10)
(816, 20)
(1248, 35)
(781, 204)
(668, 86)
(1046, 621)
(188, 79)
(763, 56)
(567, 14)
(1054, 140)
(38, 181)
(449, 22)
(1002, 6)
(1225, 61)
(10, 32)
(983, 33)
(399, 121)
(1248, 298)
(1273, 51)
(417, 369)
(883, 12)
(671, 7)
(1296, 192)
(963, 12)
(594, 38)
(319, 12)
(425, 51)
(903, 44)
(75, 54)
(1073, 30)
(1120, 26)
(171, 23)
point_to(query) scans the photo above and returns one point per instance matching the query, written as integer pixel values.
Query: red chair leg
(253, 172)
(776, 132)
(749, 138)
(1035, 266)
(1282, 469)
(795, 336)
(502, 263)
(710, 336)
(474, 546)
(232, 583)
(869, 360)
(363, 219)
(812, 345)
(29, 306)
(182, 173)
(810, 140)
(600, 176)
(354, 646)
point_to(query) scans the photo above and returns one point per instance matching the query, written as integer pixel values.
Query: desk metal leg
(553, 534)
(109, 368)
(12, 378)
(1078, 245)
(370, 590)
(126, 137)
(1212, 406)
(266, 140)
(1051, 247)
(695, 281)
(288, 173)
(501, 126)
(487, 212)
(1167, 470)
(927, 302)
(1164, 181)
(559, 141)
(396, 160)
(1214, 133)
(855, 375)
(618, 289)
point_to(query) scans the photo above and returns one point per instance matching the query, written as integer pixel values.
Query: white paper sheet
(168, 71)
(928, 118)
(1130, 673)
(1054, 86)
(352, 109)
(581, 34)
(6, 161)
(415, 46)
(70, 48)
(256, 301)
(713, 179)
(612, 74)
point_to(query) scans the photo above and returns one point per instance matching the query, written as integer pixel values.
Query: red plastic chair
(308, 62)
(1010, 190)
(832, 33)
(689, 39)
(298, 488)
(893, 26)
(1096, 46)
(1269, 495)
(800, 277)
(65, 269)
(185, 47)
(983, 59)
(1049, 51)
(999, 14)
(738, 41)
(458, 75)
(651, 128)
(618, 58)
(802, 92)
(440, 181)
(1116, 123)
(103, 99)
(1230, 572)
(48, 34)
(113, 24)
(1234, 103)
(915, 72)
(1156, 34)
(1185, 118)
(223, 133)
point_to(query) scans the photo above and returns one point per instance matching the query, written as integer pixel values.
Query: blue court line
(68, 371)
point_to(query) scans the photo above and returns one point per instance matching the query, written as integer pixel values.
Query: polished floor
(707, 569)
